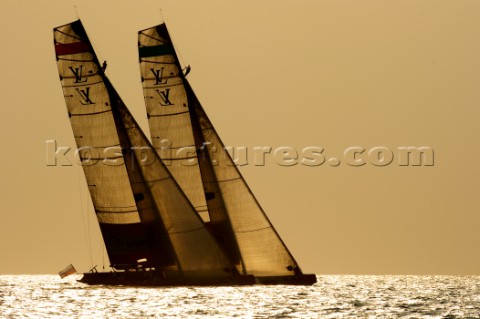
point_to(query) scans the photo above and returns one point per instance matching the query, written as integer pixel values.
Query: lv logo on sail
(158, 76)
(85, 95)
(164, 96)
(77, 72)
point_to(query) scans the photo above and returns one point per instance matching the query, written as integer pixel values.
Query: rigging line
(95, 51)
(103, 258)
(173, 45)
(179, 54)
(161, 15)
(84, 215)
(76, 12)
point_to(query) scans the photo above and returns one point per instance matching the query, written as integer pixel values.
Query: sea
(333, 296)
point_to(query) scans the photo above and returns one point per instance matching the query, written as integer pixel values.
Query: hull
(304, 280)
(154, 279)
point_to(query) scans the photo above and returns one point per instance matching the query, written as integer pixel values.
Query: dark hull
(305, 280)
(152, 279)
(147, 278)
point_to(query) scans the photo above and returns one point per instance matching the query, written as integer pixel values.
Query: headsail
(143, 213)
(237, 219)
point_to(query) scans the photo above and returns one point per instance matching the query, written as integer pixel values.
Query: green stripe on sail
(155, 50)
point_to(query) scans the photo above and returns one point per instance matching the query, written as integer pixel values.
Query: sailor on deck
(187, 70)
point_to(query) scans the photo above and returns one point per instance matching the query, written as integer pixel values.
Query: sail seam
(101, 147)
(116, 207)
(186, 231)
(68, 35)
(254, 230)
(162, 86)
(94, 113)
(83, 76)
(79, 85)
(152, 181)
(171, 76)
(116, 212)
(156, 62)
(151, 37)
(74, 60)
(99, 158)
(176, 159)
(171, 114)
(224, 180)
(172, 147)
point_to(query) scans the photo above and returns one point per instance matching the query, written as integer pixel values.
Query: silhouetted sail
(89, 108)
(237, 219)
(263, 252)
(196, 250)
(143, 214)
(168, 115)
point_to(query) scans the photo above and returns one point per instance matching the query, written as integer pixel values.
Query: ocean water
(47, 296)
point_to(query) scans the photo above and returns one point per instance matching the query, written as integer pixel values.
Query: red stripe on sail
(71, 48)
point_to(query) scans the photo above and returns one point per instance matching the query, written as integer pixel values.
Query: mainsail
(142, 212)
(236, 218)
(168, 115)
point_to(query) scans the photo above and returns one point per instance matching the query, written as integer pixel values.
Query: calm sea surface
(49, 296)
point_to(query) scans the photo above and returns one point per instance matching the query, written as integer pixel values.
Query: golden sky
(331, 74)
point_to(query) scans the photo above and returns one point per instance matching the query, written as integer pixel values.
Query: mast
(142, 212)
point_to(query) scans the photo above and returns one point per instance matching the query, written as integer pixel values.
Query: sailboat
(215, 186)
(159, 228)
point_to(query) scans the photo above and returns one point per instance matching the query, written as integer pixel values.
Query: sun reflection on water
(48, 296)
